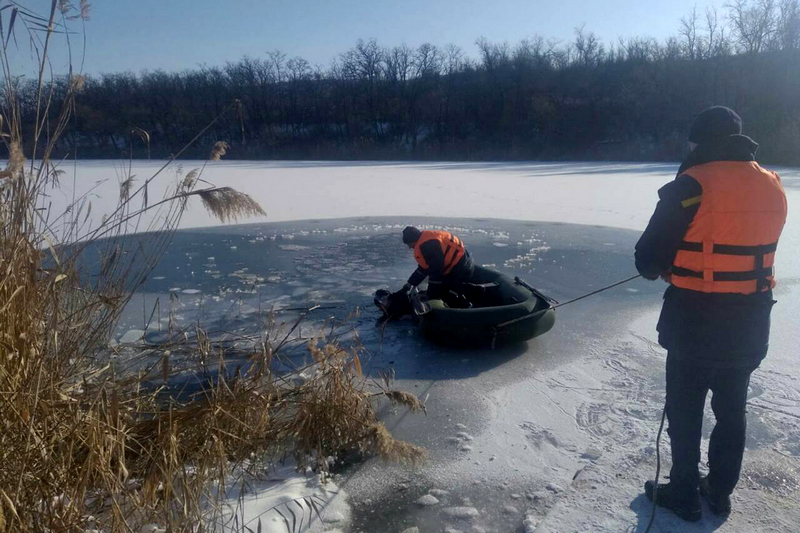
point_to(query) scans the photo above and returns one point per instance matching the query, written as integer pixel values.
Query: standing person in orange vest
(713, 238)
(442, 258)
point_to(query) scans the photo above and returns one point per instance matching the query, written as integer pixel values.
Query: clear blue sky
(178, 34)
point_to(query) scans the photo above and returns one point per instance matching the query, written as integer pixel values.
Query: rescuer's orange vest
(730, 245)
(452, 248)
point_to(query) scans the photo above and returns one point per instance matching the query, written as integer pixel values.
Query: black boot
(718, 502)
(685, 504)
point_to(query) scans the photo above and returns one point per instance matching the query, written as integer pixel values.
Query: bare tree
(390, 66)
(523, 53)
(404, 57)
(787, 31)
(369, 57)
(670, 51)
(453, 59)
(688, 33)
(589, 51)
(298, 68)
(534, 53)
(276, 60)
(363, 62)
(563, 55)
(427, 60)
(493, 55)
(753, 23)
(646, 48)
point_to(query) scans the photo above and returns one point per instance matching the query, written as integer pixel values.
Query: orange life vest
(452, 248)
(730, 245)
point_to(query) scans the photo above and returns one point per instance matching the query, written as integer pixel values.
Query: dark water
(236, 278)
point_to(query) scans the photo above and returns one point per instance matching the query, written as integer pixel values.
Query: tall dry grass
(84, 444)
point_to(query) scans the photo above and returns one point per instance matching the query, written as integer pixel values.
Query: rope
(617, 284)
(658, 471)
(579, 298)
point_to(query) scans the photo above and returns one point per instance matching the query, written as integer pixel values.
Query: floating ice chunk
(460, 512)
(133, 335)
(530, 523)
(593, 454)
(427, 501)
(552, 487)
(191, 291)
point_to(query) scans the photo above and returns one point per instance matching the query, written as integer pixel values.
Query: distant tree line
(538, 99)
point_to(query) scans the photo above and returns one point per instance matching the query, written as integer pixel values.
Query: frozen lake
(557, 434)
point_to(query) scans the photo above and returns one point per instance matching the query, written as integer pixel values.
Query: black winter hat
(411, 234)
(715, 123)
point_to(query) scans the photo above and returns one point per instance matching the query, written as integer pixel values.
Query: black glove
(402, 293)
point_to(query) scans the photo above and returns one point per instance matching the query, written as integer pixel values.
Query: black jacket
(718, 330)
(432, 252)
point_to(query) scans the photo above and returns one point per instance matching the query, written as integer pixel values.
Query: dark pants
(687, 387)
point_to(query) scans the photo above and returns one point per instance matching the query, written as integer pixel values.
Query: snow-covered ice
(263, 504)
(567, 422)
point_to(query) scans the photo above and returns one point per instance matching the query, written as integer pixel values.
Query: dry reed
(220, 149)
(228, 205)
(85, 444)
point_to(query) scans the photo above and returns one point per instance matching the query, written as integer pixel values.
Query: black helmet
(411, 234)
(713, 124)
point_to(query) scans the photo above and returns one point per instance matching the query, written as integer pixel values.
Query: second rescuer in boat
(442, 258)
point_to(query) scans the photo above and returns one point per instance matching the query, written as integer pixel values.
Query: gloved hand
(402, 293)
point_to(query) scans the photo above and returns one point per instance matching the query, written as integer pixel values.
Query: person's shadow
(666, 522)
